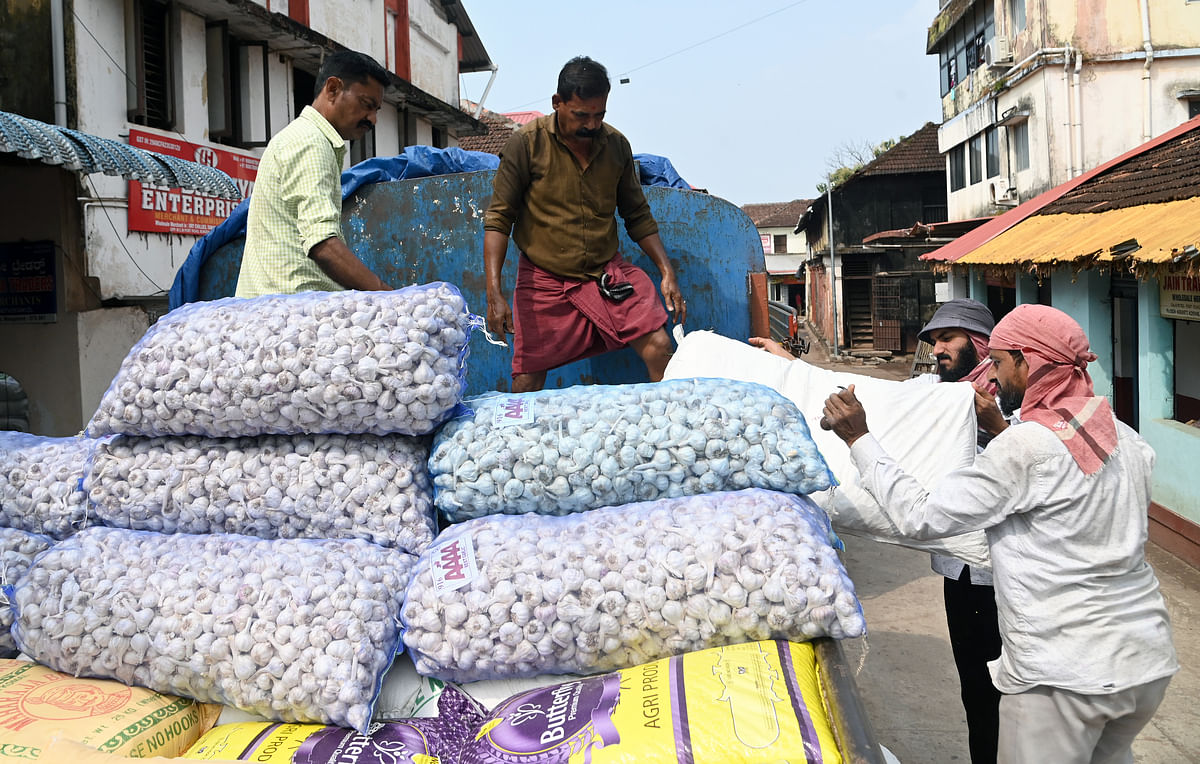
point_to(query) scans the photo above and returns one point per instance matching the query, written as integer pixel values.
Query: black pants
(975, 640)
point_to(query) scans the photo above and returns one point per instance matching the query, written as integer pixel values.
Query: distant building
(874, 295)
(1033, 94)
(784, 249)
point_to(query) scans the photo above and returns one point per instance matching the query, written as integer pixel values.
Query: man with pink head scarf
(1062, 496)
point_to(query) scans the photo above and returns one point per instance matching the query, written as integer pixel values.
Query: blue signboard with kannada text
(28, 290)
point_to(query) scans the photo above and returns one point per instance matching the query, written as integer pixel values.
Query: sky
(749, 99)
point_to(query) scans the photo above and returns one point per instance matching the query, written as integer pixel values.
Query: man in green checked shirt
(294, 227)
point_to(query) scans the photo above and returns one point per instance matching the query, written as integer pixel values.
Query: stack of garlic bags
(660, 519)
(266, 498)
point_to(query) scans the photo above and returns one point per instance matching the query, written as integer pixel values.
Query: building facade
(205, 80)
(1035, 93)
(784, 249)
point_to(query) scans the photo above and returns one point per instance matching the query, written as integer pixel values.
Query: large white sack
(298, 630)
(372, 487)
(316, 362)
(930, 430)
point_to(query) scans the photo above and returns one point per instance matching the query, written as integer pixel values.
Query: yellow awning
(1161, 231)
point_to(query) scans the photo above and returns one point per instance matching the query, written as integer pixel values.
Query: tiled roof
(916, 153)
(776, 214)
(1166, 173)
(499, 128)
(523, 117)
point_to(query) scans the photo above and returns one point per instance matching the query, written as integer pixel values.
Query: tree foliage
(848, 158)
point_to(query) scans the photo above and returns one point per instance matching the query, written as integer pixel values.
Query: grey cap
(968, 315)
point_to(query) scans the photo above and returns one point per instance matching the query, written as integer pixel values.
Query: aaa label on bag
(513, 409)
(453, 563)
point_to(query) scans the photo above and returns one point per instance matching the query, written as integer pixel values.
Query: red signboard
(181, 211)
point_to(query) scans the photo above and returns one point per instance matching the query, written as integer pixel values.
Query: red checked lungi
(560, 320)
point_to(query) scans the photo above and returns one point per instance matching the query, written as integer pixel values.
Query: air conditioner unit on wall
(1003, 193)
(997, 52)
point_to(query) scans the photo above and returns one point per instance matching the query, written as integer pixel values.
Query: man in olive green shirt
(294, 237)
(560, 182)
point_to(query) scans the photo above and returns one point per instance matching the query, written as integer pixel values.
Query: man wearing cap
(959, 332)
(1062, 496)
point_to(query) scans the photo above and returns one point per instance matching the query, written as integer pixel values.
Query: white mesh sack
(508, 596)
(372, 487)
(40, 483)
(350, 362)
(293, 630)
(17, 550)
(563, 451)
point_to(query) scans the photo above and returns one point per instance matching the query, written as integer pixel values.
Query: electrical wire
(694, 45)
(121, 240)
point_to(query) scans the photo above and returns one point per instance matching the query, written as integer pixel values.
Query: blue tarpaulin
(413, 162)
(658, 171)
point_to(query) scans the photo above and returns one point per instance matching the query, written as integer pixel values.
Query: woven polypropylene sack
(372, 487)
(40, 480)
(743, 704)
(293, 630)
(522, 595)
(349, 362)
(563, 451)
(17, 550)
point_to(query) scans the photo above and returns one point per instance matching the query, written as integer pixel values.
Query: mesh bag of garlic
(557, 452)
(17, 550)
(608, 589)
(372, 487)
(349, 362)
(297, 630)
(40, 483)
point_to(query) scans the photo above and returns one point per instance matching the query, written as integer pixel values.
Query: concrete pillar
(1086, 299)
(956, 285)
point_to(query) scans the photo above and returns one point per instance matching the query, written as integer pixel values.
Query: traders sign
(176, 210)
(1179, 296)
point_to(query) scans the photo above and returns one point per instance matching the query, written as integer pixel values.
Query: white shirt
(1079, 606)
(944, 565)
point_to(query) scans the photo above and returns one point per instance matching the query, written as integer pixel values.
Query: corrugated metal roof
(1161, 232)
(89, 154)
(956, 250)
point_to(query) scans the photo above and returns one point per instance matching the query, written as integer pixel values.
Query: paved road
(905, 670)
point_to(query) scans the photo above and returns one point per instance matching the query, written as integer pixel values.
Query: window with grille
(960, 51)
(152, 100)
(780, 243)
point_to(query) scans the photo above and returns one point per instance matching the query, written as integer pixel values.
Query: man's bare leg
(529, 383)
(655, 351)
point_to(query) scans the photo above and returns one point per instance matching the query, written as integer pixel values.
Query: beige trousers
(1047, 725)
